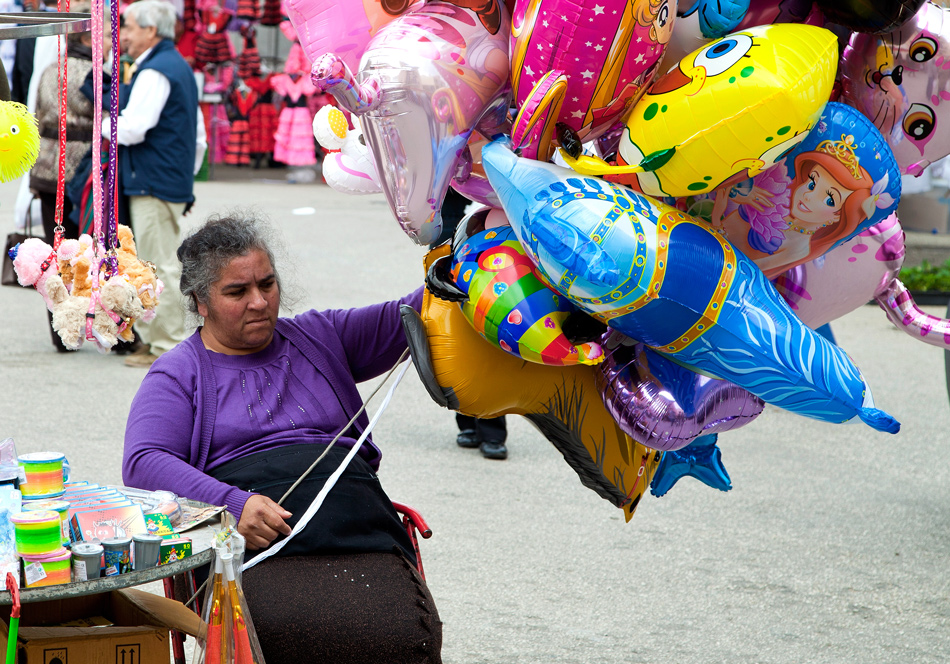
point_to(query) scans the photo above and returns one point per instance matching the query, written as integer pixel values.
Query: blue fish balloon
(665, 279)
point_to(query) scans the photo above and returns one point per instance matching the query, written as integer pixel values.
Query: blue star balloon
(701, 459)
(665, 279)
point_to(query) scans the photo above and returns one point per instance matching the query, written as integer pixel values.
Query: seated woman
(235, 413)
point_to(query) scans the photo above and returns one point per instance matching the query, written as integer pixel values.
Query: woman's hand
(262, 521)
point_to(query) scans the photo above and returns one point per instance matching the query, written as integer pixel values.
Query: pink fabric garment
(218, 129)
(297, 61)
(294, 142)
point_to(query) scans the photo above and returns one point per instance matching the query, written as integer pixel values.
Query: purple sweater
(197, 409)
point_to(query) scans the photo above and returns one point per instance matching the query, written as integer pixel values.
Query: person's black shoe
(467, 439)
(493, 450)
(128, 347)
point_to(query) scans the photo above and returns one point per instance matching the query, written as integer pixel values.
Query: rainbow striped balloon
(510, 305)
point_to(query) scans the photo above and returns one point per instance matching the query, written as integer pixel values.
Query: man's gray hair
(157, 13)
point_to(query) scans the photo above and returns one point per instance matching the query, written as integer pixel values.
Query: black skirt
(357, 516)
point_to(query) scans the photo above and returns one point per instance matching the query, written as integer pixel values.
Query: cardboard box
(129, 626)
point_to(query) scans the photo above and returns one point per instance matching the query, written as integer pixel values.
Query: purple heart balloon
(663, 405)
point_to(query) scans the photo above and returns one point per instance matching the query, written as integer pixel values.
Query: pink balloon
(343, 28)
(863, 269)
(847, 277)
(609, 50)
(426, 81)
(901, 81)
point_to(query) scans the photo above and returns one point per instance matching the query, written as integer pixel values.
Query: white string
(331, 481)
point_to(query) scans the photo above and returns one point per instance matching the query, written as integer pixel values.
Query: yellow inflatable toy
(730, 109)
(464, 372)
(19, 140)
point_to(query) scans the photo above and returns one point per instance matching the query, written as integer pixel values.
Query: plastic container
(145, 550)
(46, 473)
(37, 533)
(87, 561)
(49, 570)
(59, 506)
(117, 556)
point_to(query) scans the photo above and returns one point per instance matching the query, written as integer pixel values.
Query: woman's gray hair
(157, 13)
(208, 250)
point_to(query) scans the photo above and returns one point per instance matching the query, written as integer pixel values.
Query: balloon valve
(569, 140)
(330, 74)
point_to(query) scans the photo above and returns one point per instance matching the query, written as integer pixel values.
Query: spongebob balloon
(668, 280)
(732, 108)
(19, 140)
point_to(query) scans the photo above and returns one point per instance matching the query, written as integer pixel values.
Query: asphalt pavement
(833, 546)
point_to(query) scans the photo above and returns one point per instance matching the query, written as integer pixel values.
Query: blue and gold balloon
(665, 279)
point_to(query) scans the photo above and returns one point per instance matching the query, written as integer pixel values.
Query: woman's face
(242, 306)
(817, 201)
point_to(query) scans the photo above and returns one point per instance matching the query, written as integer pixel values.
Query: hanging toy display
(19, 140)
(95, 286)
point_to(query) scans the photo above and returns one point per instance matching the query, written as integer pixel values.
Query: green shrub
(927, 277)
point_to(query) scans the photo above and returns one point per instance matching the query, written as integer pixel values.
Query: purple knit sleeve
(158, 444)
(373, 336)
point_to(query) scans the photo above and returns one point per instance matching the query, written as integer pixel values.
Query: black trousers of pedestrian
(492, 430)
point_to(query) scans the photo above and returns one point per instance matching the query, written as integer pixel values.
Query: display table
(201, 536)
(201, 555)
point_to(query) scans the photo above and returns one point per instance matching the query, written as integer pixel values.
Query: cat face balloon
(901, 81)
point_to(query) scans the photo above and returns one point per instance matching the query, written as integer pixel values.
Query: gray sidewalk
(834, 545)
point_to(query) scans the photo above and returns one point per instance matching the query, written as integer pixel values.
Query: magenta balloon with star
(901, 81)
(609, 50)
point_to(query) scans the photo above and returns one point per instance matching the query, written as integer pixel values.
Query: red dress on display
(242, 101)
(249, 62)
(213, 45)
(262, 120)
(248, 10)
(271, 14)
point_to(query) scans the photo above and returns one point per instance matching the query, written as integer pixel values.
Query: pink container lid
(34, 516)
(56, 556)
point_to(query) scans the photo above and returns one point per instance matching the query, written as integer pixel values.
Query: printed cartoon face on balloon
(839, 181)
(902, 82)
(737, 105)
(607, 51)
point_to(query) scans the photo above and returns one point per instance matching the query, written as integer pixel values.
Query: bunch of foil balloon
(673, 203)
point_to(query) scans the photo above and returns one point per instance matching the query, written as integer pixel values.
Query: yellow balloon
(730, 109)
(19, 140)
(467, 373)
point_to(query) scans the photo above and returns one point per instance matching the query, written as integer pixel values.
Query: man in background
(161, 139)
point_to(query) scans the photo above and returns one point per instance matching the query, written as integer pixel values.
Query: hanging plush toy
(19, 140)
